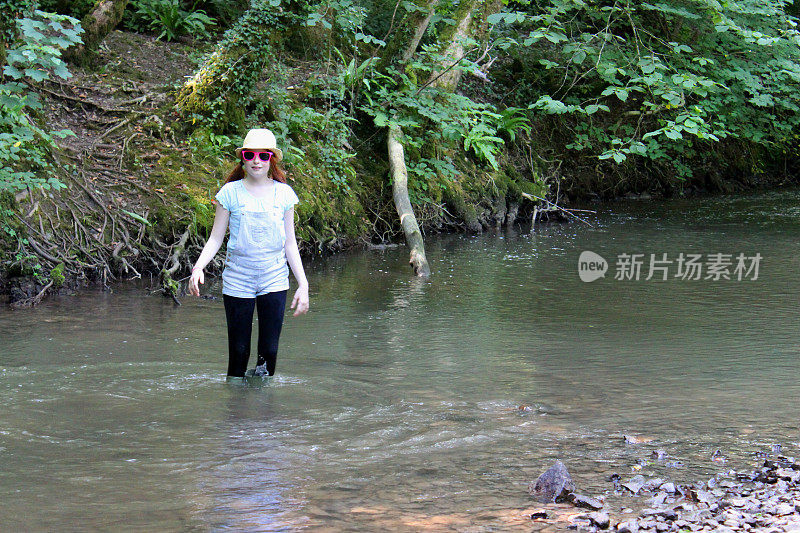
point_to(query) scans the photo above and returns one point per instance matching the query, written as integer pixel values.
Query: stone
(629, 526)
(703, 496)
(647, 524)
(659, 498)
(634, 484)
(668, 487)
(585, 502)
(633, 439)
(600, 519)
(666, 514)
(580, 521)
(652, 484)
(553, 485)
(784, 509)
(787, 474)
(659, 455)
(737, 502)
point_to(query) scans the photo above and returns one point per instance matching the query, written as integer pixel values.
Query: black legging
(239, 314)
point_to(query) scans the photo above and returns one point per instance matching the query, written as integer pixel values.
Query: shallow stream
(404, 404)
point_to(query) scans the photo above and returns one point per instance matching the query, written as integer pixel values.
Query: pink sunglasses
(249, 155)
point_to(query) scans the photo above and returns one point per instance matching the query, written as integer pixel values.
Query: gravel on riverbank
(766, 499)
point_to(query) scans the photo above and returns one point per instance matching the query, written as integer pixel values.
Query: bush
(169, 18)
(34, 57)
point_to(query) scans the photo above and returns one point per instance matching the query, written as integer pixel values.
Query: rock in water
(601, 520)
(553, 485)
(586, 502)
(635, 484)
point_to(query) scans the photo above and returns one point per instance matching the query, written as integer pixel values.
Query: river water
(405, 404)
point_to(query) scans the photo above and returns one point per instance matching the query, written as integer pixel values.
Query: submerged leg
(239, 314)
(271, 307)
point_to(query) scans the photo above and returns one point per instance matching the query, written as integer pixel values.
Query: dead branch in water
(551, 206)
(402, 202)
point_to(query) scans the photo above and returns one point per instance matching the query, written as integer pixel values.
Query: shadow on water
(410, 404)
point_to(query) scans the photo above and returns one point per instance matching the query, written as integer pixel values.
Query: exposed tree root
(97, 227)
(32, 301)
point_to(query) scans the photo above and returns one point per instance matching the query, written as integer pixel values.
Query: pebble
(600, 519)
(579, 500)
(767, 499)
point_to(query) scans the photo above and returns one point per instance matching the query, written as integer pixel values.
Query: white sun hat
(260, 139)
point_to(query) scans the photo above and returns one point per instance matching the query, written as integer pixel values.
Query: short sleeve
(290, 199)
(224, 197)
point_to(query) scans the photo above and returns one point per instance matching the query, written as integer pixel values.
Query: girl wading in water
(259, 206)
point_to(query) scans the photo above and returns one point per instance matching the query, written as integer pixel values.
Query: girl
(259, 206)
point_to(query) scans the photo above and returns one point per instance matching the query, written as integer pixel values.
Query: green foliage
(394, 98)
(207, 144)
(33, 58)
(661, 81)
(10, 10)
(74, 8)
(57, 275)
(223, 87)
(225, 11)
(168, 17)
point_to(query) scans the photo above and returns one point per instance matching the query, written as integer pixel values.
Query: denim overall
(257, 265)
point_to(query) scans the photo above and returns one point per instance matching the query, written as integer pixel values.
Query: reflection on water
(397, 402)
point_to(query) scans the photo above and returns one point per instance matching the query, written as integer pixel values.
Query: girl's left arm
(300, 300)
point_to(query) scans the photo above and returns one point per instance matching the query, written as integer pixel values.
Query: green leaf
(36, 74)
(134, 216)
(8, 70)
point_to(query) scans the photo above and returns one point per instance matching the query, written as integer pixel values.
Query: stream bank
(139, 180)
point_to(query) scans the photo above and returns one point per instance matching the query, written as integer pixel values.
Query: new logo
(591, 266)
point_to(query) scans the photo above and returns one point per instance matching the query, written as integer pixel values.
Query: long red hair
(276, 172)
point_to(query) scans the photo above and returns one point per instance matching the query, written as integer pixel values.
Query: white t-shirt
(236, 198)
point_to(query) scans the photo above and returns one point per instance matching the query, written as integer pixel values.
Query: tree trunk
(452, 39)
(452, 48)
(100, 21)
(422, 27)
(413, 235)
(410, 33)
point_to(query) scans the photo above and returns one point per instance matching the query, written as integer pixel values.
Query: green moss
(57, 275)
(189, 183)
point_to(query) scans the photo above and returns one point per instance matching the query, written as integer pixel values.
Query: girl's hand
(197, 278)
(300, 301)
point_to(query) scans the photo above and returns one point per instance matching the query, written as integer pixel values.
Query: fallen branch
(402, 202)
(552, 206)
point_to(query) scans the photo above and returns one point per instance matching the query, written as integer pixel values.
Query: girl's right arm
(210, 249)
